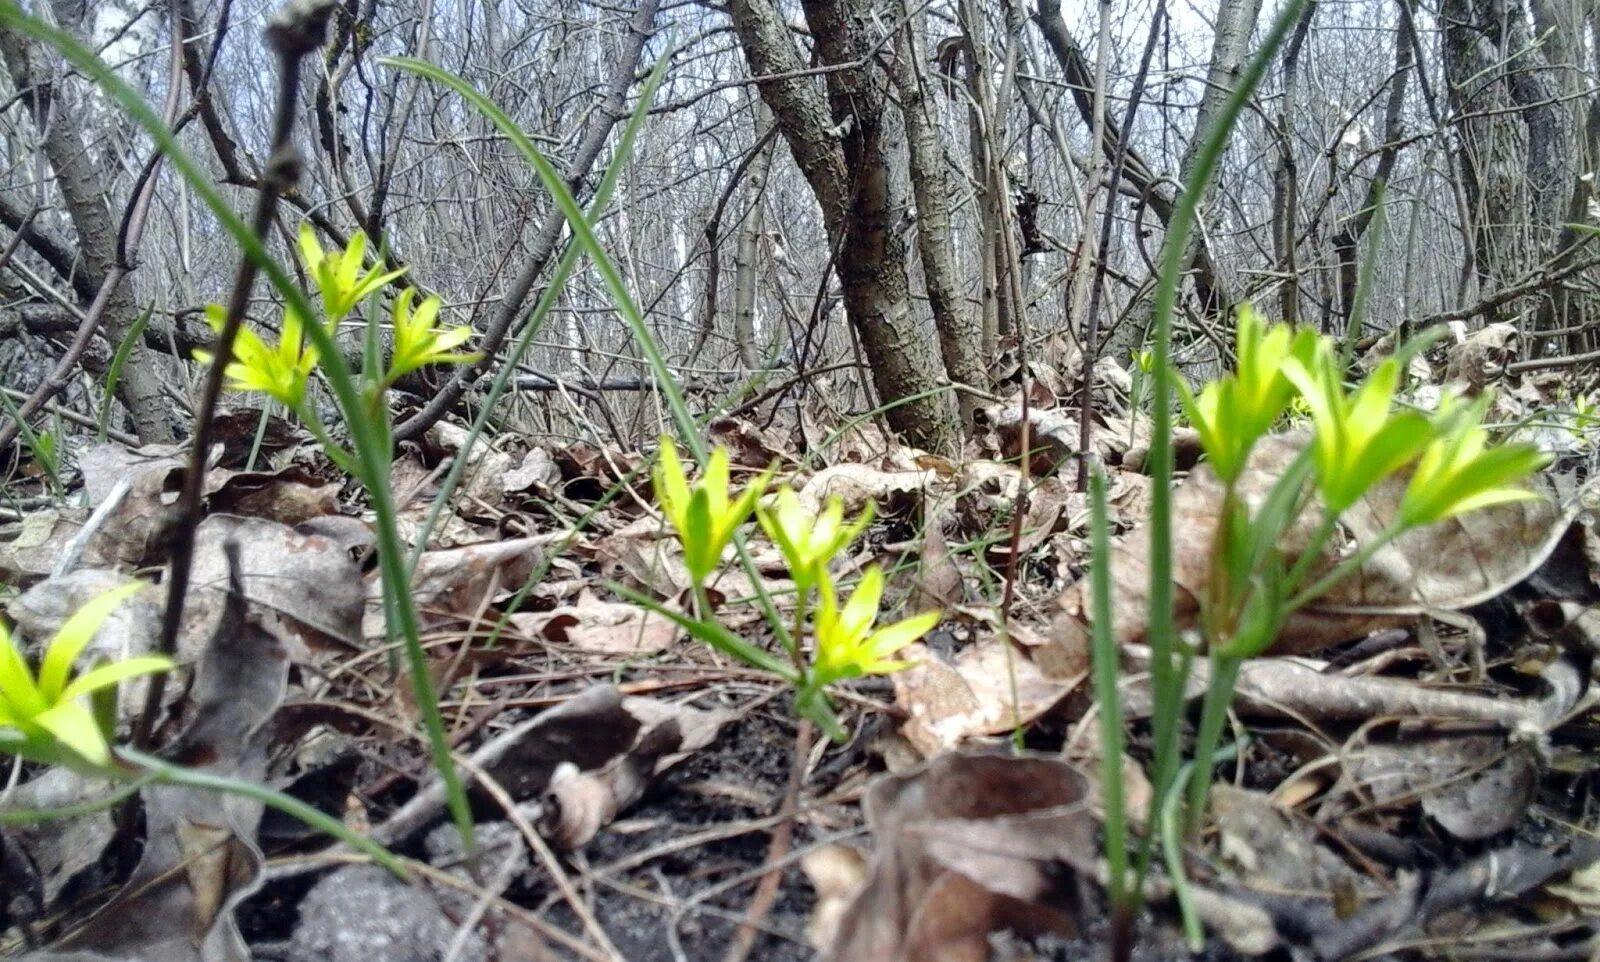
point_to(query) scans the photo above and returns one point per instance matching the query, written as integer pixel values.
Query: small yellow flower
(808, 542)
(42, 718)
(704, 515)
(1459, 472)
(280, 371)
(338, 275)
(417, 342)
(847, 647)
(1359, 439)
(1232, 413)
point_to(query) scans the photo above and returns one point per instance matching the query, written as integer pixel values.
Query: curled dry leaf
(135, 531)
(54, 851)
(483, 482)
(29, 548)
(457, 582)
(308, 581)
(589, 758)
(537, 473)
(1265, 847)
(938, 584)
(967, 846)
(857, 484)
(291, 496)
(1480, 358)
(1053, 437)
(836, 873)
(986, 689)
(748, 445)
(1474, 786)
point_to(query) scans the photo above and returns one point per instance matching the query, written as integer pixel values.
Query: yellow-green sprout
(704, 515)
(1459, 472)
(1232, 413)
(847, 647)
(418, 342)
(43, 718)
(338, 275)
(1359, 439)
(280, 370)
(807, 541)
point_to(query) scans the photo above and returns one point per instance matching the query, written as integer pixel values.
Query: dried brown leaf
(966, 846)
(607, 627)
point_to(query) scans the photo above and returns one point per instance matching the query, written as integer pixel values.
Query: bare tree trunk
(1518, 146)
(1234, 19)
(837, 142)
(83, 184)
(748, 245)
(1347, 240)
(1285, 181)
(980, 95)
(960, 334)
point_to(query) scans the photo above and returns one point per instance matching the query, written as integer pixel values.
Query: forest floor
(1415, 774)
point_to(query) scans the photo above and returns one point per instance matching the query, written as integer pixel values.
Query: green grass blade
(1106, 670)
(1167, 679)
(714, 634)
(546, 303)
(1369, 270)
(170, 774)
(622, 297)
(114, 372)
(33, 816)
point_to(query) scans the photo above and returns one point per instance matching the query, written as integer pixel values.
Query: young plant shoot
(706, 517)
(1358, 440)
(43, 717)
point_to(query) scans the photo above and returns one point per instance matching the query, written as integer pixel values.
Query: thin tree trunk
(960, 333)
(748, 246)
(82, 183)
(837, 143)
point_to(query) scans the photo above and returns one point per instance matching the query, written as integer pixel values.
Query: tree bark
(1234, 20)
(1519, 149)
(83, 184)
(747, 248)
(960, 334)
(837, 142)
(1347, 240)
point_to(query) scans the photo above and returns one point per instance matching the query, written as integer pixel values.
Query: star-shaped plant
(704, 514)
(808, 541)
(847, 646)
(1359, 439)
(281, 371)
(1233, 412)
(338, 276)
(43, 718)
(1460, 472)
(418, 342)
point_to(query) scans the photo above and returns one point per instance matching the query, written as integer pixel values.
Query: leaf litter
(1418, 775)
